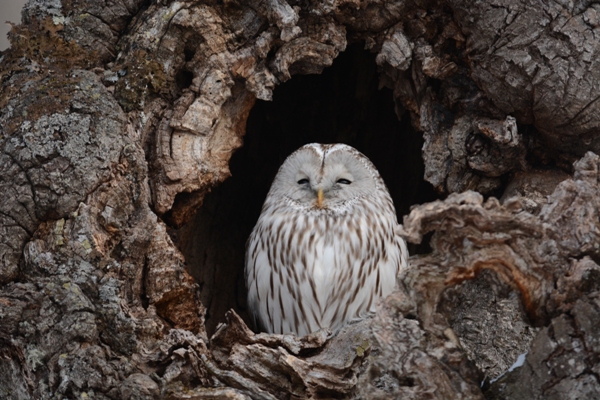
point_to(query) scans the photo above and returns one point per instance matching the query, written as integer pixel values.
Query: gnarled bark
(117, 120)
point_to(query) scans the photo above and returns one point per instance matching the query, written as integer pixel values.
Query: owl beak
(320, 198)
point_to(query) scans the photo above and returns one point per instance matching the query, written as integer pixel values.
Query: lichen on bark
(117, 119)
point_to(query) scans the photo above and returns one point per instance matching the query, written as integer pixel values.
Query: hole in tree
(184, 79)
(190, 50)
(342, 104)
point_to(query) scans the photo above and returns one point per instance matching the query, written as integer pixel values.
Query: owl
(325, 247)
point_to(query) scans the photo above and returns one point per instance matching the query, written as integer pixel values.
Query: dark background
(342, 104)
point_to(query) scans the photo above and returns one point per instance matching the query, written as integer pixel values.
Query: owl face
(325, 177)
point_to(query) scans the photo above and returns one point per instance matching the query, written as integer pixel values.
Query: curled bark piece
(305, 56)
(284, 365)
(573, 209)
(532, 188)
(472, 154)
(505, 151)
(210, 394)
(470, 236)
(432, 64)
(280, 13)
(213, 68)
(531, 254)
(396, 50)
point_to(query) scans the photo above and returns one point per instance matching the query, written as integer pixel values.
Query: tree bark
(117, 267)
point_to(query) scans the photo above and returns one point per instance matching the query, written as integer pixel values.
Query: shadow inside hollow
(342, 104)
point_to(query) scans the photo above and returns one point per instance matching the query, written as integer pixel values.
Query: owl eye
(344, 181)
(302, 181)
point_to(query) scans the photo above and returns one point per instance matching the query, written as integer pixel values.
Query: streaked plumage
(319, 260)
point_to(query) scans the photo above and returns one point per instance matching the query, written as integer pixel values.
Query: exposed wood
(118, 118)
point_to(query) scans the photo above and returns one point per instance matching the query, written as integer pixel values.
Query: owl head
(325, 177)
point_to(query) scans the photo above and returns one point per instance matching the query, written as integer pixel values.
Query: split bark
(117, 118)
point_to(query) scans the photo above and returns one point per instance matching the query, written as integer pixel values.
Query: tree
(118, 118)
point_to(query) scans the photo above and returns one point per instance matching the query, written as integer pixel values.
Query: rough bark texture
(118, 118)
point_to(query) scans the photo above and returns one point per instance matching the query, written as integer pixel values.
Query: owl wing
(367, 260)
(401, 243)
(299, 279)
(253, 247)
(276, 275)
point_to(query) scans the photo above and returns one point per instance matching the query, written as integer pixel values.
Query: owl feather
(325, 248)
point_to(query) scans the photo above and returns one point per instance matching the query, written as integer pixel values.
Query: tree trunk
(124, 214)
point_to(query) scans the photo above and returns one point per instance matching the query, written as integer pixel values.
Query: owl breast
(311, 270)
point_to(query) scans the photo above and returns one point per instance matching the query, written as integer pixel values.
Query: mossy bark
(118, 120)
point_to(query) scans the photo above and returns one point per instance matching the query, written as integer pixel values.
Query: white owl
(325, 247)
